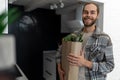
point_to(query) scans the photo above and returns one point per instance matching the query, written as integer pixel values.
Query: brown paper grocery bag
(71, 72)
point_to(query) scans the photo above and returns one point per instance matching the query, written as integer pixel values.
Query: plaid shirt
(99, 50)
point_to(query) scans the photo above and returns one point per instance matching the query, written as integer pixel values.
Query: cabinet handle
(48, 59)
(48, 72)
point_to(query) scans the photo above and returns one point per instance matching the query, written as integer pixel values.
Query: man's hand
(61, 72)
(79, 60)
(76, 60)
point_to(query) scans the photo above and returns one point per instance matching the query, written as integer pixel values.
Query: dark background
(43, 33)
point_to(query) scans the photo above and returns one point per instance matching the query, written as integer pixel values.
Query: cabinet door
(49, 65)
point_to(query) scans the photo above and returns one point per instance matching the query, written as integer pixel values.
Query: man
(97, 54)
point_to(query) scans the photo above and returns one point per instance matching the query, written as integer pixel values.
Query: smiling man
(97, 54)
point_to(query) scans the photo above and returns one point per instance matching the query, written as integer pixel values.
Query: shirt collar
(96, 33)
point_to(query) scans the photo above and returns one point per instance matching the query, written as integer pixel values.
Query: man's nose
(88, 14)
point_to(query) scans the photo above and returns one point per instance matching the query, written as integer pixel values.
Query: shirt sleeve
(107, 64)
(58, 54)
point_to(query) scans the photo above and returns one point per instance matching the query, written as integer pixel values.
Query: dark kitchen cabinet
(35, 31)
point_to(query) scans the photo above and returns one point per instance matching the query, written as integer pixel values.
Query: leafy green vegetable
(73, 37)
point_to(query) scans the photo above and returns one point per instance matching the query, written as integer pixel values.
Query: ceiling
(32, 4)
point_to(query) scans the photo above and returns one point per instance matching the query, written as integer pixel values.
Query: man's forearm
(88, 64)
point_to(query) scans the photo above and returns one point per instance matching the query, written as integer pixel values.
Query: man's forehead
(90, 7)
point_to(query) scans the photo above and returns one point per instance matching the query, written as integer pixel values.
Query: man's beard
(92, 22)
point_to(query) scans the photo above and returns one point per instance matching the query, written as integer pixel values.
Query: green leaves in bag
(73, 37)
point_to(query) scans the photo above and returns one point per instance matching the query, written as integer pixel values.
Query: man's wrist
(88, 64)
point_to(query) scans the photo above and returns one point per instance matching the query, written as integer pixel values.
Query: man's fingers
(73, 60)
(61, 71)
(72, 57)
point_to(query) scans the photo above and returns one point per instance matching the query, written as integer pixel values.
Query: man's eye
(93, 12)
(85, 12)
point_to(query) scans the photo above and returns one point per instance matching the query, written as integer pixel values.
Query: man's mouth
(87, 20)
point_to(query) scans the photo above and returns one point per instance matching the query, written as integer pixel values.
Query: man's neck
(89, 29)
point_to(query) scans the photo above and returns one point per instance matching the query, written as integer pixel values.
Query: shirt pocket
(96, 51)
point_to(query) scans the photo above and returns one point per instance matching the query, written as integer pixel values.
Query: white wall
(112, 27)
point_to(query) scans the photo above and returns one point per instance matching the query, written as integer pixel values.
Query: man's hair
(93, 4)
